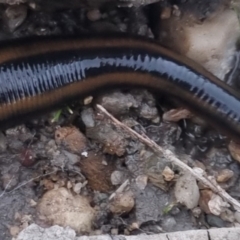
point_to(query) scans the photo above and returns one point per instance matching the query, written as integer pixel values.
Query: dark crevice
(208, 235)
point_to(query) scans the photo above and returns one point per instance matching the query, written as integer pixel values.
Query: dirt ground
(82, 156)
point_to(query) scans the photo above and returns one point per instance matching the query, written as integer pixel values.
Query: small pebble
(176, 11)
(114, 231)
(27, 158)
(87, 116)
(217, 205)
(26, 218)
(117, 177)
(69, 185)
(77, 187)
(32, 203)
(224, 175)
(205, 196)
(118, 103)
(175, 211)
(122, 203)
(176, 115)
(17, 216)
(71, 139)
(234, 149)
(88, 100)
(168, 174)
(148, 112)
(97, 174)
(168, 224)
(186, 191)
(85, 154)
(215, 221)
(141, 181)
(196, 212)
(114, 141)
(15, 16)
(134, 226)
(94, 15)
(14, 231)
(48, 184)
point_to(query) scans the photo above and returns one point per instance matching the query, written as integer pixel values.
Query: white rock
(34, 232)
(186, 191)
(61, 207)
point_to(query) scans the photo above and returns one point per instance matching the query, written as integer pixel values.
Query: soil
(42, 154)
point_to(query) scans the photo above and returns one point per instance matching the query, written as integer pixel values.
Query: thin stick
(172, 158)
(25, 183)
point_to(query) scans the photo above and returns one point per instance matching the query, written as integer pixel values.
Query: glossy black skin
(37, 74)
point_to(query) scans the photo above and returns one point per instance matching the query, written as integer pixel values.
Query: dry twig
(24, 183)
(199, 175)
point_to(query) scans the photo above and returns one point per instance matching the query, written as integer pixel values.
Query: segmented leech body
(41, 74)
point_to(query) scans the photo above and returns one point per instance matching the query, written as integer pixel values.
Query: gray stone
(34, 232)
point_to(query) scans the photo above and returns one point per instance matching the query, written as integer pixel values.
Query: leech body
(41, 74)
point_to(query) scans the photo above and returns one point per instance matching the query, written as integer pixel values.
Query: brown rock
(168, 174)
(48, 184)
(97, 173)
(14, 231)
(27, 157)
(113, 141)
(71, 139)
(205, 197)
(176, 115)
(224, 175)
(61, 207)
(122, 203)
(234, 149)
